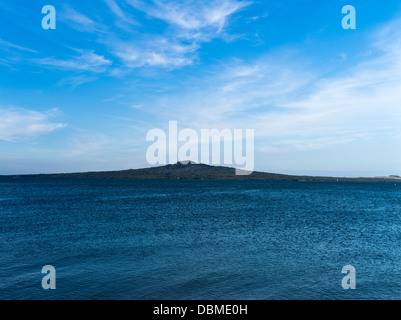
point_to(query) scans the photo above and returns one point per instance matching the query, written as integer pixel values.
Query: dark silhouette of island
(193, 171)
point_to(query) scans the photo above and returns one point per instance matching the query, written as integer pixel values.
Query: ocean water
(122, 239)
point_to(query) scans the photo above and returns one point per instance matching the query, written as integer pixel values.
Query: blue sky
(322, 100)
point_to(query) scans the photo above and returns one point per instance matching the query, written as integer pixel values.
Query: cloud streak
(19, 124)
(188, 25)
(14, 46)
(292, 105)
(119, 13)
(198, 20)
(159, 52)
(88, 60)
(78, 21)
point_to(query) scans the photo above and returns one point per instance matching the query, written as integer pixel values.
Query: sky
(322, 100)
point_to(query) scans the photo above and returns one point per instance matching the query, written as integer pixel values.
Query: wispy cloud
(19, 124)
(292, 104)
(254, 18)
(88, 60)
(157, 52)
(78, 21)
(12, 54)
(14, 46)
(196, 19)
(76, 81)
(89, 144)
(188, 25)
(362, 101)
(120, 14)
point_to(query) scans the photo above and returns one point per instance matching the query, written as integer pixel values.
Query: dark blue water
(112, 239)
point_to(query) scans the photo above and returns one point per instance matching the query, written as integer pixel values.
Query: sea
(199, 240)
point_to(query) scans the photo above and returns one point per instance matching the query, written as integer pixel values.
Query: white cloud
(89, 144)
(195, 19)
(76, 81)
(120, 13)
(175, 45)
(189, 23)
(157, 52)
(14, 46)
(78, 21)
(291, 105)
(363, 100)
(18, 123)
(86, 61)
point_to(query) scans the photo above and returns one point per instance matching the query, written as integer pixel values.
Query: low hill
(193, 171)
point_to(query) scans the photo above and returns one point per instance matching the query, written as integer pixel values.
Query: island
(194, 171)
